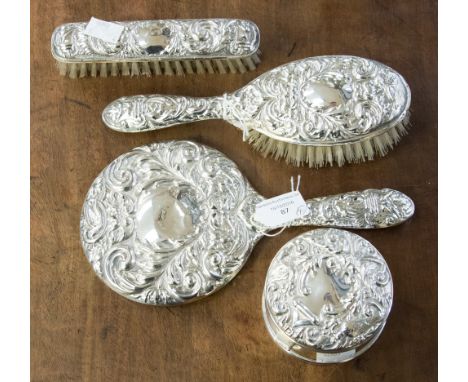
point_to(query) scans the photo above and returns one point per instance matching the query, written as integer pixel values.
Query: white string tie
(288, 225)
(225, 111)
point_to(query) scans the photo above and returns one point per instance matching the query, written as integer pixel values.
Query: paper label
(334, 357)
(281, 210)
(104, 30)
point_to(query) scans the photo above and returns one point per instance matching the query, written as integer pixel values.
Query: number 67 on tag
(281, 210)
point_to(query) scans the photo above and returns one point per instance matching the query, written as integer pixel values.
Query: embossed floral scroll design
(370, 208)
(277, 103)
(180, 271)
(364, 280)
(184, 39)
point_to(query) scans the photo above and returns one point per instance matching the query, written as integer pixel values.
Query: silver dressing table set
(173, 222)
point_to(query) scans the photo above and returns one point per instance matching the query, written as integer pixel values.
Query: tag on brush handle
(281, 210)
(104, 30)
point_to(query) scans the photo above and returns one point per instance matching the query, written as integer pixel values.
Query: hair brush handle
(359, 209)
(144, 113)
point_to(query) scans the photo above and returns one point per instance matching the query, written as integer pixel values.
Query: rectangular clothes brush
(155, 47)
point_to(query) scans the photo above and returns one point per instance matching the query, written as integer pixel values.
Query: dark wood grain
(82, 331)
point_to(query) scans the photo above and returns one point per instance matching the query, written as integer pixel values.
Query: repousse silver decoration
(328, 100)
(159, 39)
(327, 296)
(174, 221)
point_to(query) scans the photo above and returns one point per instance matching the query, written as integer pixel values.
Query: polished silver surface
(172, 222)
(158, 40)
(319, 101)
(327, 296)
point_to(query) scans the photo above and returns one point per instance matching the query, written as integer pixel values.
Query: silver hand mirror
(172, 222)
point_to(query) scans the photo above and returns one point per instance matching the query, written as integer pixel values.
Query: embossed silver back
(327, 296)
(172, 222)
(325, 101)
(184, 46)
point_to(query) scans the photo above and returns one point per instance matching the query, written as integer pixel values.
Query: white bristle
(262, 146)
(394, 135)
(125, 69)
(379, 146)
(348, 153)
(292, 154)
(319, 156)
(179, 69)
(145, 69)
(231, 66)
(188, 67)
(280, 149)
(338, 155)
(256, 58)
(310, 156)
(114, 69)
(62, 68)
(406, 118)
(208, 66)
(135, 70)
(83, 70)
(168, 69)
(249, 63)
(387, 140)
(270, 146)
(329, 155)
(199, 66)
(401, 128)
(255, 140)
(103, 70)
(300, 154)
(359, 154)
(240, 65)
(220, 66)
(287, 153)
(368, 149)
(156, 68)
(73, 71)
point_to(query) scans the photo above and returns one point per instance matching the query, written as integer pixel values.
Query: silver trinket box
(327, 296)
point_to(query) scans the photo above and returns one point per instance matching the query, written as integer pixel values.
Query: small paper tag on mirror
(281, 210)
(104, 30)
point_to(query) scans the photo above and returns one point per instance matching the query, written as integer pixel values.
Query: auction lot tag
(104, 30)
(281, 210)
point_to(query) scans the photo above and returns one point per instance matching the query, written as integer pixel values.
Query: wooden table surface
(82, 331)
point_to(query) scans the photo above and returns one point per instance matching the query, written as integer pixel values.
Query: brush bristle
(156, 68)
(145, 69)
(319, 156)
(220, 66)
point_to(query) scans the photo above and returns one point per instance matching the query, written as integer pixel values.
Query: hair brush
(316, 111)
(154, 47)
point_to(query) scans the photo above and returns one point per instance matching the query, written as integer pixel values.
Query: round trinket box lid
(327, 296)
